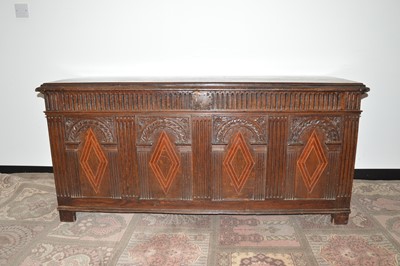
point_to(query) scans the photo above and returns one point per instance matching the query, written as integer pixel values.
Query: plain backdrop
(352, 39)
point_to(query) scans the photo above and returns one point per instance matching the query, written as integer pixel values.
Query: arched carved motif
(226, 126)
(329, 125)
(177, 126)
(103, 129)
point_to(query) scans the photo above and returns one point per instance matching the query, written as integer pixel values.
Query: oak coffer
(211, 146)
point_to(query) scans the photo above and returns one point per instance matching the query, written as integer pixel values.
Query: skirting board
(377, 174)
(366, 174)
(9, 169)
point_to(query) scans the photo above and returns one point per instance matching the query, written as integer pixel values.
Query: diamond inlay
(93, 160)
(165, 162)
(312, 162)
(239, 162)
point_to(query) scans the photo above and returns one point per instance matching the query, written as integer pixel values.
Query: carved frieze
(331, 126)
(102, 127)
(254, 127)
(150, 126)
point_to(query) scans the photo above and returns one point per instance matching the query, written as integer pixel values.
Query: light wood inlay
(238, 162)
(93, 160)
(165, 162)
(312, 162)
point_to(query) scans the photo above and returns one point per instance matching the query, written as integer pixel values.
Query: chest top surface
(245, 82)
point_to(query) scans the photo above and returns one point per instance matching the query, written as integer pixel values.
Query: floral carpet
(31, 234)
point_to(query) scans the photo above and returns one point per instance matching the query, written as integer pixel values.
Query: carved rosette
(253, 127)
(331, 126)
(103, 128)
(148, 127)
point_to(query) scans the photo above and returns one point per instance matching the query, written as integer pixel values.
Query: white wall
(353, 39)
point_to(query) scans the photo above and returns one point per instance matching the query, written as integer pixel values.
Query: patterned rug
(31, 234)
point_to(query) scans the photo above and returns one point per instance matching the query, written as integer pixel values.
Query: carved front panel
(314, 148)
(93, 161)
(238, 162)
(164, 151)
(239, 148)
(91, 153)
(165, 162)
(312, 162)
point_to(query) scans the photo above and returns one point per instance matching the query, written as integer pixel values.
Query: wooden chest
(210, 146)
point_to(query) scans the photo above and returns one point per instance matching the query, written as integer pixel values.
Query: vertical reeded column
(73, 173)
(348, 155)
(330, 185)
(292, 154)
(276, 161)
(187, 180)
(127, 161)
(216, 169)
(115, 178)
(143, 171)
(201, 149)
(259, 186)
(57, 145)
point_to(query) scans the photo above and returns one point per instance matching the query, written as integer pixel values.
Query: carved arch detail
(226, 126)
(103, 129)
(330, 126)
(177, 126)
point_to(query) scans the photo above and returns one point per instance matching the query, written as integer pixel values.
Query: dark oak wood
(366, 174)
(231, 145)
(67, 216)
(340, 218)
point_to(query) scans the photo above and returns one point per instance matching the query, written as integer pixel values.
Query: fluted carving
(208, 98)
(201, 150)
(277, 156)
(127, 156)
(349, 153)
